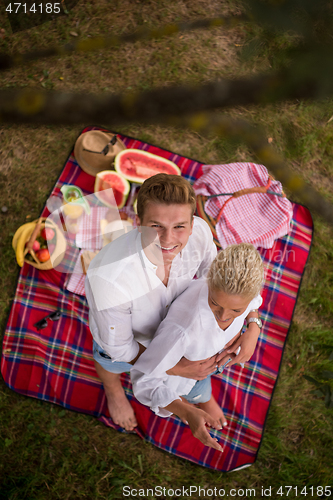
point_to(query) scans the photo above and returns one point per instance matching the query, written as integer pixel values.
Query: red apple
(43, 255)
(47, 233)
(36, 246)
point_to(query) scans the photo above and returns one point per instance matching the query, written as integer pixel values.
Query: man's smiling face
(171, 226)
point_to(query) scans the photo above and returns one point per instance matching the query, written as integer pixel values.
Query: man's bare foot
(214, 410)
(119, 407)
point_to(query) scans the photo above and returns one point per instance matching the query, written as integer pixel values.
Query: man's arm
(115, 336)
(151, 384)
(197, 370)
(111, 326)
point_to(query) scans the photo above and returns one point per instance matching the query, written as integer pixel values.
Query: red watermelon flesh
(137, 165)
(133, 167)
(120, 186)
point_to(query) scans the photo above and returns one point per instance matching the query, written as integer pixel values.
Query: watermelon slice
(109, 179)
(137, 165)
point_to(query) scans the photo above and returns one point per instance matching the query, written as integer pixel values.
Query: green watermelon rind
(140, 152)
(97, 191)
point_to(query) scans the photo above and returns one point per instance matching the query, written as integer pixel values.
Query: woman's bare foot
(214, 410)
(119, 407)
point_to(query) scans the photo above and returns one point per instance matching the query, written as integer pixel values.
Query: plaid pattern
(76, 281)
(89, 236)
(56, 363)
(253, 218)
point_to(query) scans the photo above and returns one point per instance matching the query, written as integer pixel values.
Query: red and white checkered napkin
(256, 218)
(89, 236)
(76, 281)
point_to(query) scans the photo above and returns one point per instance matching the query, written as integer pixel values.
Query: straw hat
(89, 154)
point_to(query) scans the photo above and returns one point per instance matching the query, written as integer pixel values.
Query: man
(132, 282)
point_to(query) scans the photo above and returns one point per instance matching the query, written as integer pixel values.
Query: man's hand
(247, 343)
(198, 370)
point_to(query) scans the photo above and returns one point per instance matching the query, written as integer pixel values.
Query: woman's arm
(247, 342)
(197, 420)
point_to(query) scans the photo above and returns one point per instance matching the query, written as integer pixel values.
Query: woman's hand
(247, 342)
(197, 420)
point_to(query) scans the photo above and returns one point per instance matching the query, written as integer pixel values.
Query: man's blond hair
(168, 189)
(237, 270)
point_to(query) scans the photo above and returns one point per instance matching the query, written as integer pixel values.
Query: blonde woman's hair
(237, 270)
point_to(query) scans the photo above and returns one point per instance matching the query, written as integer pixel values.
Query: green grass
(49, 452)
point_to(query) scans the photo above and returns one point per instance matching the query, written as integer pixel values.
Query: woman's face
(226, 307)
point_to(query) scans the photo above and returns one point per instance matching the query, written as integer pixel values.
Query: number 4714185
(48, 8)
(306, 490)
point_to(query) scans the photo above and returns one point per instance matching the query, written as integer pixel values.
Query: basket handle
(242, 192)
(34, 235)
(32, 239)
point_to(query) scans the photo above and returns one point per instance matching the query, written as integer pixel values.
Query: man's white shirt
(189, 330)
(127, 301)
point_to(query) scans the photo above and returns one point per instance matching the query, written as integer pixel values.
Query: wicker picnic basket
(58, 252)
(201, 201)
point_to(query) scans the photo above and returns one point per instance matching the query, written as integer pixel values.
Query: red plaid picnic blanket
(55, 364)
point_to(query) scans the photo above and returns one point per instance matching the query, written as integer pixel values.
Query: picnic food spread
(74, 203)
(36, 242)
(120, 188)
(113, 189)
(112, 230)
(137, 165)
(20, 238)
